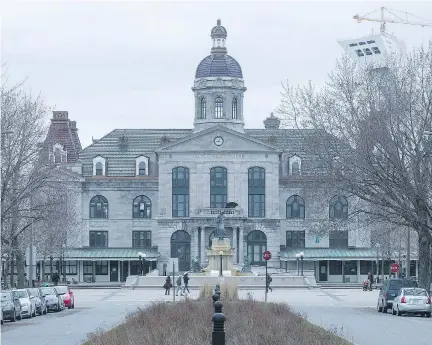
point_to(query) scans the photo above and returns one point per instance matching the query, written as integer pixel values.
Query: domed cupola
(219, 86)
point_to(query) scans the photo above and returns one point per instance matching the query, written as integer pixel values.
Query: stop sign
(394, 268)
(267, 255)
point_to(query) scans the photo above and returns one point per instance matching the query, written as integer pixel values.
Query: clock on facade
(218, 141)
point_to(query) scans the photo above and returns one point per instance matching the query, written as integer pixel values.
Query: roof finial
(218, 22)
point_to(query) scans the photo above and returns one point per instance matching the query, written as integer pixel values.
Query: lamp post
(63, 263)
(141, 260)
(301, 258)
(220, 269)
(4, 273)
(51, 267)
(298, 266)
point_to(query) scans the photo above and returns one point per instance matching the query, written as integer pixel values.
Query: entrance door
(181, 249)
(323, 271)
(114, 276)
(124, 272)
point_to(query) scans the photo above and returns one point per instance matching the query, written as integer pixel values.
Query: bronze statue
(220, 227)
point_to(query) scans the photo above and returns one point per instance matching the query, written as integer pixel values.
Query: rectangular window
(366, 267)
(88, 268)
(350, 268)
(101, 268)
(295, 239)
(98, 239)
(338, 239)
(218, 200)
(335, 268)
(70, 267)
(141, 239)
(256, 205)
(180, 207)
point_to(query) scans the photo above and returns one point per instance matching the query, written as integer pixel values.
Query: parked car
(11, 307)
(28, 303)
(389, 290)
(412, 301)
(54, 300)
(67, 295)
(41, 307)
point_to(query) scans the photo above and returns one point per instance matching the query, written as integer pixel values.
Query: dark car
(54, 300)
(11, 306)
(389, 291)
(41, 307)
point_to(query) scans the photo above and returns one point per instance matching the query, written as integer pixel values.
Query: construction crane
(396, 19)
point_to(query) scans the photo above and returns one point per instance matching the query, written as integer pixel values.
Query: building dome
(219, 63)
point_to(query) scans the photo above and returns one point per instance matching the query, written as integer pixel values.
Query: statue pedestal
(220, 247)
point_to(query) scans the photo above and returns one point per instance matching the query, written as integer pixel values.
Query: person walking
(167, 286)
(268, 281)
(55, 278)
(178, 286)
(371, 279)
(186, 282)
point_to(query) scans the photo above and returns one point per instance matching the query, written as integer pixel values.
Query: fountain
(221, 252)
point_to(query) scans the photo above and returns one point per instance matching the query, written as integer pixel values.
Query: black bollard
(218, 335)
(215, 298)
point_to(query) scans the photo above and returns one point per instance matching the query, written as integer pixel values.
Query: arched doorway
(181, 249)
(256, 246)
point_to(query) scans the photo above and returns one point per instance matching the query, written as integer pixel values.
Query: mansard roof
(121, 146)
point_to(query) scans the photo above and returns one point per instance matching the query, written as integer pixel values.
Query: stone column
(234, 244)
(241, 247)
(203, 244)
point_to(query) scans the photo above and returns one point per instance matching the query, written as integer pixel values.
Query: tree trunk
(424, 261)
(42, 269)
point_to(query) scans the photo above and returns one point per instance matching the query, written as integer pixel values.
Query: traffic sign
(394, 268)
(267, 255)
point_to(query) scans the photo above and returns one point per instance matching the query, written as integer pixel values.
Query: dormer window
(219, 108)
(59, 154)
(142, 166)
(99, 166)
(294, 165)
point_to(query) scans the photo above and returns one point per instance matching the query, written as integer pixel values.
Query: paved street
(350, 312)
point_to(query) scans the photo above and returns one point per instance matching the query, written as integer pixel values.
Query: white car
(28, 303)
(412, 301)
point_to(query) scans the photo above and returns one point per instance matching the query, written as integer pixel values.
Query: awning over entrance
(316, 254)
(120, 254)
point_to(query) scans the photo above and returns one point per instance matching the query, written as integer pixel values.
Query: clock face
(218, 141)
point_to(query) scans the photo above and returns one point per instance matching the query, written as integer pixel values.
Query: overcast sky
(132, 65)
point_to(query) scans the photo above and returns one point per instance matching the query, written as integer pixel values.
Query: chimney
(272, 122)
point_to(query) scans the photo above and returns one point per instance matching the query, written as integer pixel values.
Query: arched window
(99, 168)
(295, 207)
(142, 169)
(98, 207)
(218, 187)
(203, 108)
(141, 207)
(338, 207)
(180, 192)
(234, 109)
(57, 157)
(219, 108)
(256, 192)
(256, 246)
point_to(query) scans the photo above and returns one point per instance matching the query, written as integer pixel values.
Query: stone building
(158, 191)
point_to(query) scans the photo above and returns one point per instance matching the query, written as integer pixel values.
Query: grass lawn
(189, 322)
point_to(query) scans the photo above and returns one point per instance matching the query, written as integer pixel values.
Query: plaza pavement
(351, 313)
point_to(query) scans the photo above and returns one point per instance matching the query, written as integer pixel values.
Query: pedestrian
(167, 286)
(179, 288)
(371, 279)
(186, 282)
(55, 278)
(268, 281)
(164, 269)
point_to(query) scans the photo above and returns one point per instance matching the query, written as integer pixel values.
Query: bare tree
(373, 122)
(25, 177)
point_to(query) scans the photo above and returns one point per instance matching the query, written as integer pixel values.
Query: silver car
(412, 301)
(28, 303)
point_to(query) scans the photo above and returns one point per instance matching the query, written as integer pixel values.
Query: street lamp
(301, 258)
(220, 269)
(141, 257)
(298, 267)
(63, 264)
